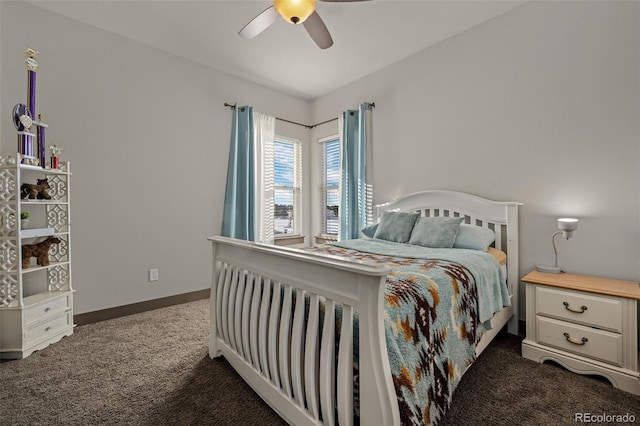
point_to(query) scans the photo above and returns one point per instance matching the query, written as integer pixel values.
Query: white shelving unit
(36, 303)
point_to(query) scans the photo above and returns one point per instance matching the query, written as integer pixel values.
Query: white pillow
(474, 237)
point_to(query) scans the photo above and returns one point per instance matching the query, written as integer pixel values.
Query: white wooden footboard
(276, 344)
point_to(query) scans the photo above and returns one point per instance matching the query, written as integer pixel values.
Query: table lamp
(566, 227)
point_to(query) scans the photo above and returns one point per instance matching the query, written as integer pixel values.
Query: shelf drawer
(46, 309)
(42, 331)
(589, 309)
(599, 344)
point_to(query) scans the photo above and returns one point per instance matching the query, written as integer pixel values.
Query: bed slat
(344, 371)
(327, 364)
(225, 303)
(262, 327)
(273, 332)
(246, 312)
(284, 339)
(311, 356)
(253, 328)
(498, 231)
(237, 312)
(297, 348)
(233, 291)
(223, 267)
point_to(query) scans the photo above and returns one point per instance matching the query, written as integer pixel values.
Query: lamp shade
(567, 225)
(295, 11)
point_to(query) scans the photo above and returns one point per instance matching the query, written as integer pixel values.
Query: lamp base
(548, 269)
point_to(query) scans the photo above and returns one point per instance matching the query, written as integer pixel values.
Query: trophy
(32, 67)
(22, 121)
(55, 152)
(40, 138)
(23, 118)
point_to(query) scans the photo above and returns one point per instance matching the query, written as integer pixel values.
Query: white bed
(278, 349)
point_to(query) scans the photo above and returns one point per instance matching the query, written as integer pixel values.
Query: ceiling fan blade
(259, 23)
(318, 31)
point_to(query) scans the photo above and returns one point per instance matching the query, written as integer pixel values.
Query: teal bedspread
(437, 305)
(492, 293)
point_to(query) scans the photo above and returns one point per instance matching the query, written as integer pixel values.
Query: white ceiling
(368, 36)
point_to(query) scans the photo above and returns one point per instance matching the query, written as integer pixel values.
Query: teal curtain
(356, 191)
(238, 218)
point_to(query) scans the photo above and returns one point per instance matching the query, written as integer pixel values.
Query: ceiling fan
(295, 12)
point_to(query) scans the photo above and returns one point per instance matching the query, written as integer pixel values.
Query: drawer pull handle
(575, 342)
(577, 311)
(47, 309)
(47, 329)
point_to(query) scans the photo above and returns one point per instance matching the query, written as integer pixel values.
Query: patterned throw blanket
(432, 320)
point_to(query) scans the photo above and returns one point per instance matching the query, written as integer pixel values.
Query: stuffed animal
(39, 250)
(38, 190)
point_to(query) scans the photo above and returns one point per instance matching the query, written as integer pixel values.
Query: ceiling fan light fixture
(295, 11)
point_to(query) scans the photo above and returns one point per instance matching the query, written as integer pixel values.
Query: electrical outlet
(153, 275)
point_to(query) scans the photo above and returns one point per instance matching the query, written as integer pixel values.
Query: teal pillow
(435, 232)
(396, 226)
(370, 230)
(474, 237)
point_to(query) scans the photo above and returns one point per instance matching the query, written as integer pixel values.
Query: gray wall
(539, 105)
(547, 94)
(147, 135)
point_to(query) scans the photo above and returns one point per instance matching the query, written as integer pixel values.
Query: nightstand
(589, 325)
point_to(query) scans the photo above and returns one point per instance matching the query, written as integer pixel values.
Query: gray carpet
(153, 369)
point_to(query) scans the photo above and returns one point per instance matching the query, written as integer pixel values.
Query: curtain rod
(372, 105)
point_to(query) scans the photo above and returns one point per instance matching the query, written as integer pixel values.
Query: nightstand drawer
(46, 309)
(42, 331)
(589, 342)
(589, 309)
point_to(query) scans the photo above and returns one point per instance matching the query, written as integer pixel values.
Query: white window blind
(264, 128)
(287, 184)
(330, 186)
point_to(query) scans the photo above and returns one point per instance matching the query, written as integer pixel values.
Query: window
(330, 185)
(287, 184)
